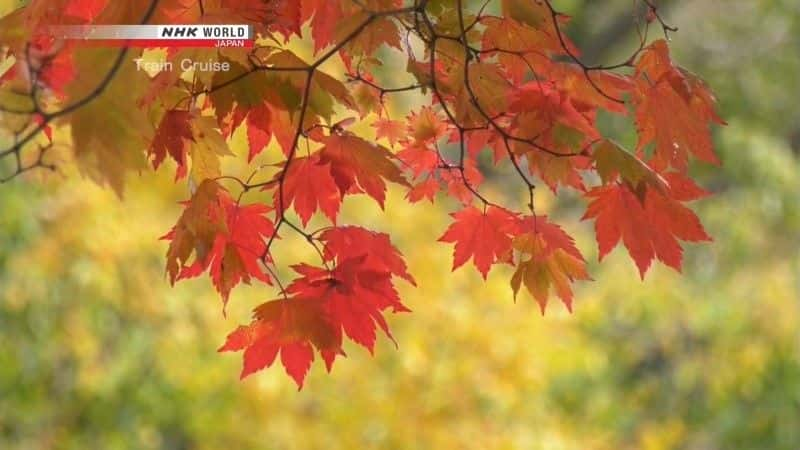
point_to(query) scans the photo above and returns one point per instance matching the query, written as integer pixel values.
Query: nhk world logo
(159, 35)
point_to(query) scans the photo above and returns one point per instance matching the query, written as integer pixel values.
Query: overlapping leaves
(511, 85)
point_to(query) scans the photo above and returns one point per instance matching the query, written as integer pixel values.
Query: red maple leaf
(360, 166)
(479, 140)
(460, 185)
(673, 111)
(309, 185)
(549, 258)
(484, 236)
(194, 233)
(426, 125)
(291, 327)
(259, 132)
(355, 297)
(392, 130)
(223, 236)
(649, 228)
(419, 158)
(546, 107)
(172, 137)
(425, 189)
(324, 15)
(342, 243)
(323, 305)
(86, 10)
(236, 255)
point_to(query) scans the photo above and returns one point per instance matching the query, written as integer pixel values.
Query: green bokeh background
(97, 351)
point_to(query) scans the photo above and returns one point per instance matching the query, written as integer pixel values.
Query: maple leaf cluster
(510, 83)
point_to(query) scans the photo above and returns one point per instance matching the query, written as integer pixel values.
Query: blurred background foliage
(98, 352)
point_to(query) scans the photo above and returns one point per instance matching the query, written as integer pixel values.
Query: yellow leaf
(526, 11)
(195, 231)
(110, 132)
(208, 147)
(12, 99)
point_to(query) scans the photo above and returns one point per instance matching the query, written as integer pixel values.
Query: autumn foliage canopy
(500, 77)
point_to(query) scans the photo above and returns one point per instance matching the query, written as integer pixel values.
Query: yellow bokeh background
(97, 350)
